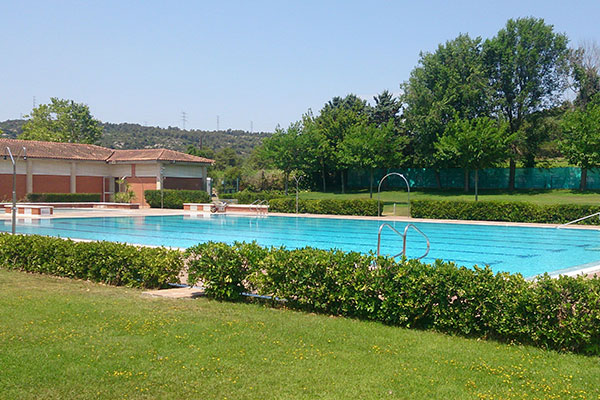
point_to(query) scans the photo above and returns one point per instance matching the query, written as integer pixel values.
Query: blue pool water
(528, 250)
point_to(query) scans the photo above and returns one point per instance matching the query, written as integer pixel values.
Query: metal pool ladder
(403, 252)
(578, 220)
(255, 205)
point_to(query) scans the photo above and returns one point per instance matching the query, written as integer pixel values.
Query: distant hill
(11, 127)
(135, 136)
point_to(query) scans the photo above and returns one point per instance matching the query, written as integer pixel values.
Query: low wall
(26, 209)
(124, 206)
(229, 208)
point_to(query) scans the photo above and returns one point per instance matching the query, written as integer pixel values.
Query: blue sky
(262, 61)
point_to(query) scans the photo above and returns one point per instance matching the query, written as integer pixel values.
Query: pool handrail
(404, 235)
(256, 204)
(578, 220)
(379, 191)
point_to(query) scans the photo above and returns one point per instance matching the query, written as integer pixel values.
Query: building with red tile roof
(52, 167)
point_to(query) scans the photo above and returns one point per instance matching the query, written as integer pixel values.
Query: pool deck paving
(176, 293)
(590, 270)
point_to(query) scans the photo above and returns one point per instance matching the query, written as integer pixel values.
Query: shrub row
(248, 197)
(502, 211)
(106, 262)
(175, 198)
(562, 314)
(367, 207)
(62, 197)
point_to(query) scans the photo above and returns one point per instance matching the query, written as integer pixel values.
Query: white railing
(578, 220)
(255, 205)
(379, 192)
(404, 235)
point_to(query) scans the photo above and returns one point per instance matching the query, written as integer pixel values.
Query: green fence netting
(492, 178)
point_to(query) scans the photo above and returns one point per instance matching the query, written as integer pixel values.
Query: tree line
(470, 104)
(67, 121)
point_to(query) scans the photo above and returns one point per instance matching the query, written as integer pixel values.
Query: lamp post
(14, 191)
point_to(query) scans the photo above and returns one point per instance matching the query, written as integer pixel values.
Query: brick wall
(6, 186)
(51, 184)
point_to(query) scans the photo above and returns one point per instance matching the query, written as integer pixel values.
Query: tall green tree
(285, 150)
(541, 130)
(350, 102)
(581, 139)
(473, 145)
(226, 157)
(450, 82)
(203, 152)
(318, 149)
(386, 108)
(334, 122)
(526, 63)
(585, 70)
(62, 121)
(370, 146)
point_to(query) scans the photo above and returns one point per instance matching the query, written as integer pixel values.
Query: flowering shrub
(562, 314)
(223, 268)
(106, 262)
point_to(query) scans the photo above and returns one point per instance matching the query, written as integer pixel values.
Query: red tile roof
(60, 151)
(90, 152)
(155, 155)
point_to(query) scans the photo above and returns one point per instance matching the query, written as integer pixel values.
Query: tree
(350, 103)
(447, 83)
(526, 63)
(386, 108)
(370, 146)
(226, 157)
(581, 139)
(585, 69)
(203, 152)
(473, 145)
(540, 132)
(62, 121)
(284, 150)
(337, 117)
(318, 148)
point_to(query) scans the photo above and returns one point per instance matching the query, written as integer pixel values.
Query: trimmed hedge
(502, 211)
(62, 197)
(561, 314)
(106, 262)
(175, 198)
(366, 207)
(248, 197)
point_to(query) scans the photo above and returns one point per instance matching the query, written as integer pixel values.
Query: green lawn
(64, 339)
(556, 196)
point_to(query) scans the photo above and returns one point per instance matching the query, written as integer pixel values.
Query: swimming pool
(528, 250)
